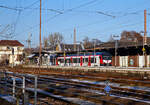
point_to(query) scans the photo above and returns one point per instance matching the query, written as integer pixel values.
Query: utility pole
(74, 39)
(40, 35)
(144, 41)
(145, 29)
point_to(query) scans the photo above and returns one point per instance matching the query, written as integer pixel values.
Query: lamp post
(94, 41)
(143, 49)
(64, 55)
(78, 50)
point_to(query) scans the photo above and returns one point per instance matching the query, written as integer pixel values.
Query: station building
(127, 54)
(11, 52)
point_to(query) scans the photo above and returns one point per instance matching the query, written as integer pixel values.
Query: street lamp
(64, 52)
(94, 41)
(78, 50)
(64, 55)
(143, 49)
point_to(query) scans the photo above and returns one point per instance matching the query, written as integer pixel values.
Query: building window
(8, 48)
(131, 62)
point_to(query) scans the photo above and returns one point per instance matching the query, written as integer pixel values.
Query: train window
(86, 60)
(83, 60)
(99, 57)
(62, 60)
(105, 57)
(92, 60)
(74, 60)
(68, 61)
(59, 60)
(78, 60)
(110, 57)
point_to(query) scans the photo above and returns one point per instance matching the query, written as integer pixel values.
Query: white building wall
(141, 61)
(148, 60)
(7, 50)
(123, 61)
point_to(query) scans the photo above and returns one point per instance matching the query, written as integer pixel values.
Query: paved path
(103, 69)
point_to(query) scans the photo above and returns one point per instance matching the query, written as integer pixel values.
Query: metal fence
(16, 86)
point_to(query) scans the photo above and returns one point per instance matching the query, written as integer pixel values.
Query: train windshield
(107, 57)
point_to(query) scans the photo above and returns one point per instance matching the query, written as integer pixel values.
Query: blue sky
(80, 14)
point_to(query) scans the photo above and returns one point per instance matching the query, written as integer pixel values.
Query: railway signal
(107, 88)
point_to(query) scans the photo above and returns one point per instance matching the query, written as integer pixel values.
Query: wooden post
(145, 40)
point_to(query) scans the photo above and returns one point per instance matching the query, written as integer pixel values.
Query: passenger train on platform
(86, 59)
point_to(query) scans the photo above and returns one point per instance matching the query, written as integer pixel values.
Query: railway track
(128, 93)
(89, 89)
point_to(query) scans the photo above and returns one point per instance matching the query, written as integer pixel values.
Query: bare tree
(90, 43)
(96, 41)
(111, 39)
(131, 36)
(46, 44)
(55, 38)
(86, 42)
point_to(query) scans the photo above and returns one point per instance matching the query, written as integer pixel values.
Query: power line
(16, 22)
(68, 10)
(106, 14)
(1, 6)
(97, 22)
(118, 27)
(46, 9)
(82, 5)
(31, 4)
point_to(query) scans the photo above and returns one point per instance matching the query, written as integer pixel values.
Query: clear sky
(92, 18)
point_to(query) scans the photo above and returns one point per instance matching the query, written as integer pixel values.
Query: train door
(81, 61)
(71, 61)
(101, 60)
(64, 61)
(97, 60)
(85, 61)
(89, 62)
(56, 62)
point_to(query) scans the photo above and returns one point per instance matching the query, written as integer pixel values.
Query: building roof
(10, 43)
(120, 44)
(70, 47)
(50, 48)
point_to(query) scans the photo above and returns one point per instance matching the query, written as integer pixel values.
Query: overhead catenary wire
(116, 28)
(101, 21)
(19, 10)
(10, 8)
(46, 9)
(29, 6)
(15, 24)
(68, 10)
(81, 5)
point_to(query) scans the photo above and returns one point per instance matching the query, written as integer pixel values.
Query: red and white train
(88, 59)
